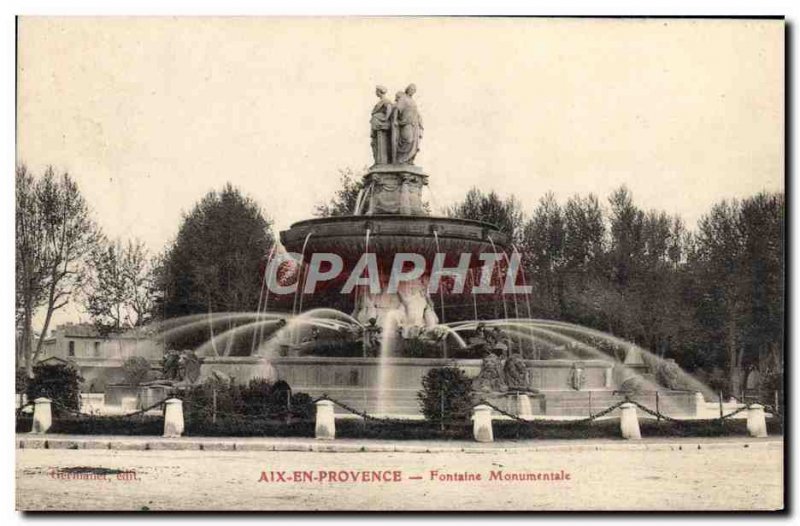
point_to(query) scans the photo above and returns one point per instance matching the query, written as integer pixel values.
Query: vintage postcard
(400, 264)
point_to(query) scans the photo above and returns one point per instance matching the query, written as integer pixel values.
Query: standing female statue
(380, 127)
(406, 127)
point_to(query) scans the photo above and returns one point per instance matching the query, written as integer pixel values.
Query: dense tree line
(712, 299)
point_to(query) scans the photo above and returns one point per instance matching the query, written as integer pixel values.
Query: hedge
(105, 425)
(247, 427)
(408, 430)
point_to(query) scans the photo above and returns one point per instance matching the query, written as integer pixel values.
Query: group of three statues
(395, 127)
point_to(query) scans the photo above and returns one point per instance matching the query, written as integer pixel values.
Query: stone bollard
(173, 418)
(325, 428)
(482, 423)
(756, 421)
(524, 406)
(629, 422)
(42, 415)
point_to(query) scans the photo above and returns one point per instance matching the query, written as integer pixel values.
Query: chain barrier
(659, 414)
(732, 413)
(367, 417)
(22, 407)
(76, 412)
(240, 416)
(362, 414)
(580, 421)
(769, 408)
(595, 416)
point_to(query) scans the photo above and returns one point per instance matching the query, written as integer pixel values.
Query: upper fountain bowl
(387, 235)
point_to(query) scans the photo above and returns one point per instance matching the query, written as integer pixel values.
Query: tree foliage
(709, 299)
(505, 214)
(136, 370)
(446, 395)
(120, 290)
(213, 264)
(59, 382)
(344, 200)
(54, 235)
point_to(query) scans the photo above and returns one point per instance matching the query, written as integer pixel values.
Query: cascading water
(441, 291)
(502, 281)
(300, 268)
(385, 380)
(527, 295)
(263, 298)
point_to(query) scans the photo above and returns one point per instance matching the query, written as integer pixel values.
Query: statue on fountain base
(409, 311)
(491, 378)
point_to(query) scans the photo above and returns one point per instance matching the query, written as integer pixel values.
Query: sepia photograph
(400, 264)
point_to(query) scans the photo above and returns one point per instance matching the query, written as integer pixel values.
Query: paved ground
(713, 474)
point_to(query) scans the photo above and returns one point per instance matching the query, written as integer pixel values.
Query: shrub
(279, 398)
(58, 382)
(258, 398)
(109, 425)
(446, 395)
(201, 402)
(136, 370)
(303, 406)
(24, 423)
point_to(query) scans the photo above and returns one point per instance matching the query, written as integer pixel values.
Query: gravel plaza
(127, 473)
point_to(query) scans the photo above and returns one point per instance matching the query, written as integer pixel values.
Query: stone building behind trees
(99, 358)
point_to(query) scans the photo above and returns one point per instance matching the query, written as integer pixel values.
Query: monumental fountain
(393, 315)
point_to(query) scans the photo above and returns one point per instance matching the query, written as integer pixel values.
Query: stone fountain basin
(356, 381)
(346, 236)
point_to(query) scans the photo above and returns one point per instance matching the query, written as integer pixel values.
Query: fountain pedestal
(394, 189)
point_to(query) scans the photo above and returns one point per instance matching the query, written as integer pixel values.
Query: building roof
(54, 359)
(87, 330)
(84, 330)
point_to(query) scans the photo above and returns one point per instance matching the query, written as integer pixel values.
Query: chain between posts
(20, 408)
(362, 414)
(565, 423)
(91, 415)
(657, 414)
(367, 416)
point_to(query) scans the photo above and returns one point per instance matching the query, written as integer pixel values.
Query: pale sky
(149, 114)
